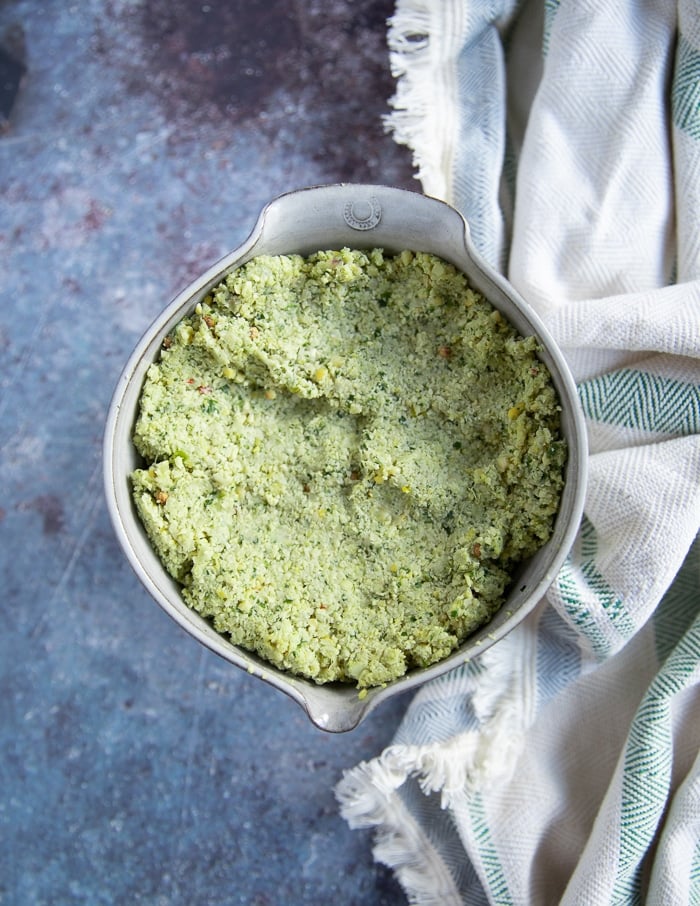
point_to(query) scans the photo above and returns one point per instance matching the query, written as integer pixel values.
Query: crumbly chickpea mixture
(345, 456)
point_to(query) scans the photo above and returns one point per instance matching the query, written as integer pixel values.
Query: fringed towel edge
(503, 703)
(422, 49)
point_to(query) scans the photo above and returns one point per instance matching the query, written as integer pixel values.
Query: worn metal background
(135, 766)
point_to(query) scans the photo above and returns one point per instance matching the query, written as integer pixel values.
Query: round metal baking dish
(304, 221)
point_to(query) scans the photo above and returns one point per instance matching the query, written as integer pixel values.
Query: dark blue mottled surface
(135, 766)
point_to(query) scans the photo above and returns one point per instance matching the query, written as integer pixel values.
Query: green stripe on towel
(577, 581)
(637, 399)
(495, 876)
(648, 764)
(685, 93)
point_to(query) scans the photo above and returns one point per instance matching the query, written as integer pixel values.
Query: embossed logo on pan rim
(368, 222)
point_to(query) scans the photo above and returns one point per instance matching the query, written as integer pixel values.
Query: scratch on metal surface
(188, 815)
(92, 502)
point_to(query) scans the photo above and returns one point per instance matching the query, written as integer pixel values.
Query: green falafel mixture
(346, 456)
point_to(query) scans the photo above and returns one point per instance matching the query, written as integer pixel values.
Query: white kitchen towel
(562, 765)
